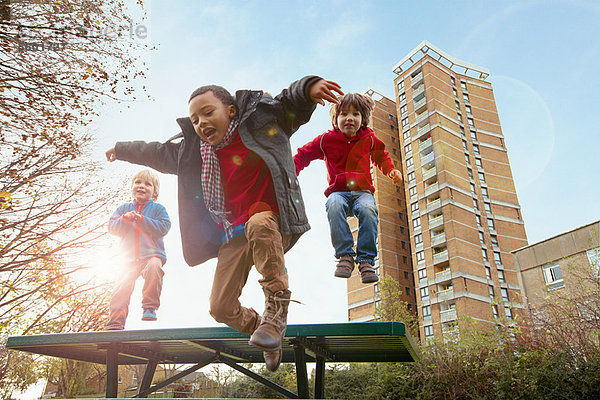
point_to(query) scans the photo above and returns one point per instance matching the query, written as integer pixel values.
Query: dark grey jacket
(266, 125)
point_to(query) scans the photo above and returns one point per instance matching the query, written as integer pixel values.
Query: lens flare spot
(272, 132)
(237, 160)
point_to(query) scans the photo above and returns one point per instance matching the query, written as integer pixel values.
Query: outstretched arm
(325, 90)
(159, 156)
(305, 154)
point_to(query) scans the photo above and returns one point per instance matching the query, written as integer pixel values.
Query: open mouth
(210, 132)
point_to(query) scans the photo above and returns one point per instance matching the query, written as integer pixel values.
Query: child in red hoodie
(348, 151)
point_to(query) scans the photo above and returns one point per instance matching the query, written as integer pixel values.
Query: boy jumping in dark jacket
(239, 199)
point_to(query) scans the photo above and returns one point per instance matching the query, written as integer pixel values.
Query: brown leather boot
(272, 359)
(273, 323)
(367, 273)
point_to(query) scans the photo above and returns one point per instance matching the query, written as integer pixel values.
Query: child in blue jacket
(141, 225)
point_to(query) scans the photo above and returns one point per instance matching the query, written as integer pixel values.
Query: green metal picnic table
(317, 343)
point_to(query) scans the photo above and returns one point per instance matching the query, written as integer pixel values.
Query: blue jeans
(360, 204)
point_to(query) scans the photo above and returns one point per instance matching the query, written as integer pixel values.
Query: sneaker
(149, 315)
(344, 267)
(367, 273)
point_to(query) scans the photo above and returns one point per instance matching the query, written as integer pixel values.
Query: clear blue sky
(543, 58)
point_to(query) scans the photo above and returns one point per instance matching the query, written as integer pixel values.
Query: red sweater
(347, 159)
(247, 182)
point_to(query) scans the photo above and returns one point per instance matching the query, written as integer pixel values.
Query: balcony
(446, 294)
(433, 205)
(415, 80)
(421, 105)
(426, 159)
(418, 91)
(425, 144)
(443, 276)
(436, 221)
(423, 130)
(431, 172)
(438, 239)
(422, 119)
(431, 189)
(440, 257)
(448, 315)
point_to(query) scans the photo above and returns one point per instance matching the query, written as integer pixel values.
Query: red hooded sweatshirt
(347, 159)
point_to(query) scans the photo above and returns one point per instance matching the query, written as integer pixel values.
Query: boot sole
(264, 348)
(372, 278)
(342, 274)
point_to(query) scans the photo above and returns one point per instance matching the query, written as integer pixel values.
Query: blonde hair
(363, 104)
(149, 176)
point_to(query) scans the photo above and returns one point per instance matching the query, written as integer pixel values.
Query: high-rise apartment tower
(463, 213)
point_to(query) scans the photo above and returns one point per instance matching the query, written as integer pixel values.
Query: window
(402, 230)
(504, 292)
(488, 273)
(462, 130)
(427, 312)
(399, 201)
(494, 240)
(406, 134)
(501, 276)
(478, 219)
(391, 117)
(468, 108)
(395, 152)
(463, 85)
(478, 162)
(484, 192)
(406, 275)
(424, 293)
(473, 136)
(417, 223)
(466, 97)
(401, 97)
(418, 239)
(508, 313)
(467, 159)
(593, 256)
(412, 191)
(457, 105)
(491, 224)
(401, 85)
(403, 109)
(404, 122)
(409, 162)
(475, 204)
(407, 291)
(495, 310)
(411, 177)
(552, 274)
(404, 260)
(470, 172)
(422, 274)
(481, 177)
(452, 80)
(497, 258)
(471, 123)
(487, 207)
(407, 149)
(414, 207)
(393, 140)
(476, 149)
(491, 290)
(420, 256)
(465, 145)
(484, 254)
(481, 237)
(472, 188)
(455, 92)
(428, 331)
(392, 127)
(400, 215)
(403, 243)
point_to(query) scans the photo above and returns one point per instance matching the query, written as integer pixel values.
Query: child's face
(143, 190)
(349, 121)
(210, 117)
